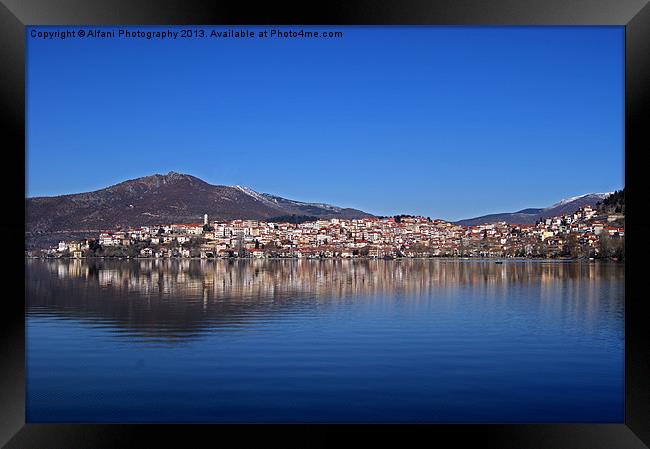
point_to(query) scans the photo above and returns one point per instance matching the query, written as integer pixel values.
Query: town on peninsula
(589, 233)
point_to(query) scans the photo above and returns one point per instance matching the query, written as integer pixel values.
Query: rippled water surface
(324, 341)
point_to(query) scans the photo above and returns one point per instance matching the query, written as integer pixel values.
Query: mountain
(159, 199)
(530, 216)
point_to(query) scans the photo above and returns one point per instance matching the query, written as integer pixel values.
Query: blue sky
(447, 122)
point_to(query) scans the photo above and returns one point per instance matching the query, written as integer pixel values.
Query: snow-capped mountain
(159, 199)
(531, 215)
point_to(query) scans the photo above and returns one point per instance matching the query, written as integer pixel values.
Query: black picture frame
(633, 14)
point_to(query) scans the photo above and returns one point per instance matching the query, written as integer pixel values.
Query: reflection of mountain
(171, 300)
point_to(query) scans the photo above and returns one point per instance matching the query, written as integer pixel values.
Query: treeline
(293, 219)
(614, 203)
(612, 247)
(398, 218)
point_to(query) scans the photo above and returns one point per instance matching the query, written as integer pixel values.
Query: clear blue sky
(447, 122)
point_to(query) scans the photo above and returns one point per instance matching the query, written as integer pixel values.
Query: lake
(431, 340)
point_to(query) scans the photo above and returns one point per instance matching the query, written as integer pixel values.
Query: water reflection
(324, 341)
(181, 299)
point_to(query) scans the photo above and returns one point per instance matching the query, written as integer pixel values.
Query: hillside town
(586, 233)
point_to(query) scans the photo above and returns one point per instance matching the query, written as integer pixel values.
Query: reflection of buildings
(331, 277)
(179, 297)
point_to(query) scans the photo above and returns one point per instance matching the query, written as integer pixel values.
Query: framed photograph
(411, 216)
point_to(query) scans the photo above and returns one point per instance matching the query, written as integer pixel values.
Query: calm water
(325, 341)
